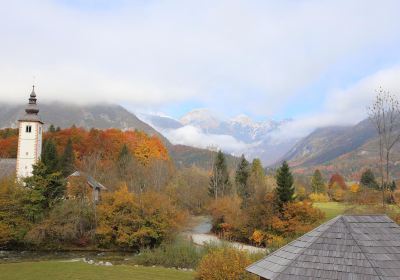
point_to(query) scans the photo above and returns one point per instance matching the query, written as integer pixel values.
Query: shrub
(69, 222)
(177, 254)
(224, 264)
(319, 197)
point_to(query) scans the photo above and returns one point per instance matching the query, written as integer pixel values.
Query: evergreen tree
(219, 180)
(368, 179)
(392, 186)
(45, 189)
(52, 129)
(242, 175)
(50, 156)
(317, 182)
(284, 180)
(58, 129)
(124, 161)
(68, 159)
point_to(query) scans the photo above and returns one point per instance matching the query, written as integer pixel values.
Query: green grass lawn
(333, 209)
(57, 270)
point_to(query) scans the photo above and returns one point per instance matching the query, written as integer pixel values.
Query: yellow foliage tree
(355, 188)
(127, 221)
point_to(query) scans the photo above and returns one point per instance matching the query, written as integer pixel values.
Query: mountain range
(103, 116)
(238, 135)
(194, 138)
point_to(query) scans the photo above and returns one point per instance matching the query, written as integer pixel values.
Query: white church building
(30, 138)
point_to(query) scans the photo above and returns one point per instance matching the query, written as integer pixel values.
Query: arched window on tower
(28, 129)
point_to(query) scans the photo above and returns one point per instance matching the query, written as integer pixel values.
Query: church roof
(346, 247)
(31, 110)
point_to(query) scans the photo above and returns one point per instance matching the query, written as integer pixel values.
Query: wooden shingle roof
(346, 247)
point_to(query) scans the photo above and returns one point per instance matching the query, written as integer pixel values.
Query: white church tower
(30, 138)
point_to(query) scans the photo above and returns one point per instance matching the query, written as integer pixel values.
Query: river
(200, 234)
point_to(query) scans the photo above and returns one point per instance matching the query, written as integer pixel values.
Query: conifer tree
(242, 175)
(219, 180)
(124, 161)
(284, 180)
(68, 159)
(50, 156)
(46, 189)
(52, 128)
(317, 182)
(368, 179)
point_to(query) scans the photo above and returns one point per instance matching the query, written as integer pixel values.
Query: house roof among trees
(7, 166)
(90, 180)
(347, 247)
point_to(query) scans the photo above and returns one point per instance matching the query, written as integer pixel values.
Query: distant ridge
(65, 115)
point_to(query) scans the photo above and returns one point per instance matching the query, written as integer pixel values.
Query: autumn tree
(13, 223)
(339, 180)
(127, 222)
(368, 179)
(243, 188)
(219, 180)
(67, 161)
(257, 175)
(317, 182)
(284, 180)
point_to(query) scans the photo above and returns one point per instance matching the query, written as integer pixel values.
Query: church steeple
(29, 138)
(32, 107)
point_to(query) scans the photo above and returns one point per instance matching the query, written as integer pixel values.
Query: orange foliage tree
(297, 218)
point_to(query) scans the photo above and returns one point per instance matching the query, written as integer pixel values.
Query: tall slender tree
(242, 175)
(219, 179)
(284, 180)
(384, 113)
(317, 182)
(67, 160)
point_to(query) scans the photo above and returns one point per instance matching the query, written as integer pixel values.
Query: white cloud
(346, 106)
(193, 136)
(230, 55)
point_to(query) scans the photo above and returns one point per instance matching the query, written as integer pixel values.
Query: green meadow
(58, 270)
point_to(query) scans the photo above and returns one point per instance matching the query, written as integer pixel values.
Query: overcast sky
(317, 62)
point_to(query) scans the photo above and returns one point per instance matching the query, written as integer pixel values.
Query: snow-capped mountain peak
(202, 118)
(243, 119)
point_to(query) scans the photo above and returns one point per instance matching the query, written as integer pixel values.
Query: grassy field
(333, 209)
(57, 270)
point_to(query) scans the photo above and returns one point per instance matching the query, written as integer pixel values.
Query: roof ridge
(332, 221)
(356, 242)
